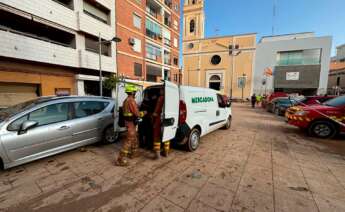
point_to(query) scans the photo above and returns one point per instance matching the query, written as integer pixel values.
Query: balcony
(90, 60)
(26, 47)
(154, 9)
(93, 26)
(55, 12)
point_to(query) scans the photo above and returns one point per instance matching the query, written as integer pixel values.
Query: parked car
(51, 125)
(312, 100)
(280, 105)
(324, 121)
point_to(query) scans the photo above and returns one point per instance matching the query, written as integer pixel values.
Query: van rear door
(171, 111)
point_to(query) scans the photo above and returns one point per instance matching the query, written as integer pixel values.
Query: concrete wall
(266, 56)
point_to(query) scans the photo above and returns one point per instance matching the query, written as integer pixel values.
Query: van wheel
(322, 129)
(193, 140)
(227, 124)
(109, 136)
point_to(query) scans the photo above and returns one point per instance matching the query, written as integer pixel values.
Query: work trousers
(157, 141)
(130, 145)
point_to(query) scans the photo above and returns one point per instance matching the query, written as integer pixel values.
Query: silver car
(50, 125)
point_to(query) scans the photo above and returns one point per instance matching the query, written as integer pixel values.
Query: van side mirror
(26, 125)
(228, 104)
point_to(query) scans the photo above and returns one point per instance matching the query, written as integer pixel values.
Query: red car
(314, 100)
(324, 120)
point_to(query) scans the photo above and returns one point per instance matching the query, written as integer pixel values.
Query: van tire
(193, 140)
(109, 136)
(322, 129)
(227, 124)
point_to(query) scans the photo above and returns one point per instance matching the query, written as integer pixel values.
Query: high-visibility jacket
(130, 109)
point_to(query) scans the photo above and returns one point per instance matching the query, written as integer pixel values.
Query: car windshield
(12, 110)
(336, 102)
(286, 101)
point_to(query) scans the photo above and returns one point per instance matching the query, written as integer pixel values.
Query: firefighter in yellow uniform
(157, 124)
(131, 114)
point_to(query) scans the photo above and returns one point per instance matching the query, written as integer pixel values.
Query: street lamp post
(233, 52)
(100, 42)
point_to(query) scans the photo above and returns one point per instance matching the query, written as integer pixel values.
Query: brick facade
(128, 53)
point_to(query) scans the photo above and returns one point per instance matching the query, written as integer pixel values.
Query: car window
(14, 126)
(46, 115)
(50, 114)
(88, 108)
(220, 101)
(336, 102)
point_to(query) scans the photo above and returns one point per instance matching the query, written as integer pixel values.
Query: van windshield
(13, 110)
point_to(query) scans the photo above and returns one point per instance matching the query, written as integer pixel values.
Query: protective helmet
(129, 88)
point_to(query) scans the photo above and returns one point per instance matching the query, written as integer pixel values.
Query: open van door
(171, 111)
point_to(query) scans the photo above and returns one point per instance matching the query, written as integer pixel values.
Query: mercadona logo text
(202, 99)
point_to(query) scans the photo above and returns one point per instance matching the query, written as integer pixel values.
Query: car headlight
(301, 113)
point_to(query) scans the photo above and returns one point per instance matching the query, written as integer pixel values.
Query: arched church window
(192, 26)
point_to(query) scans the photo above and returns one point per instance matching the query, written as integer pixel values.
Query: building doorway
(215, 82)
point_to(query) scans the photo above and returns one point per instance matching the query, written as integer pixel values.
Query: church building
(208, 61)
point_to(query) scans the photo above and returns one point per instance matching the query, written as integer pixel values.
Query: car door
(221, 112)
(171, 111)
(52, 131)
(88, 120)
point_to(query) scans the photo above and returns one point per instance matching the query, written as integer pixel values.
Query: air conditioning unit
(131, 41)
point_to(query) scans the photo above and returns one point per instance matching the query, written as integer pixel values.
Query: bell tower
(193, 20)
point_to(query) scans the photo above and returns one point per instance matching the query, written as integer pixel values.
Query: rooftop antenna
(274, 16)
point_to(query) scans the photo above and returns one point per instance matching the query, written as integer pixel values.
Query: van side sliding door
(171, 111)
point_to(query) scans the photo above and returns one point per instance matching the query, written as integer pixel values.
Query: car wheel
(322, 129)
(227, 124)
(193, 140)
(109, 136)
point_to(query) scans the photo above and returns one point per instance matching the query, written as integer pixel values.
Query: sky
(324, 17)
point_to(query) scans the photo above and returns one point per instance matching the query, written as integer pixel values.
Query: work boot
(157, 155)
(165, 153)
(121, 162)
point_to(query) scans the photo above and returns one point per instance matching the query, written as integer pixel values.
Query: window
(167, 57)
(338, 81)
(15, 126)
(66, 3)
(192, 26)
(176, 8)
(175, 77)
(138, 69)
(91, 44)
(137, 45)
(176, 42)
(153, 52)
(167, 19)
(175, 25)
(97, 11)
(166, 74)
(175, 61)
(216, 59)
(88, 108)
(336, 102)
(46, 115)
(137, 21)
(301, 57)
(221, 102)
(153, 30)
(167, 37)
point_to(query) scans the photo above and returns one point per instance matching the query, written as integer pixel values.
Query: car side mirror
(26, 125)
(228, 104)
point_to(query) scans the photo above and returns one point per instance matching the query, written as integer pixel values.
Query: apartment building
(51, 47)
(150, 33)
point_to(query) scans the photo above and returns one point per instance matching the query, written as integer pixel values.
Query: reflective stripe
(308, 119)
(301, 119)
(128, 114)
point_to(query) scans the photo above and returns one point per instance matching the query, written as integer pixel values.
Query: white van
(190, 113)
